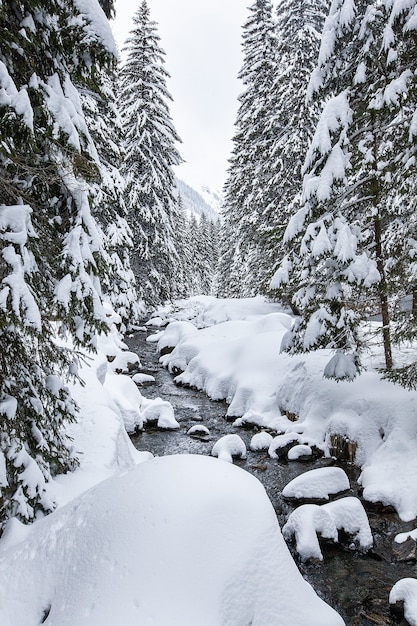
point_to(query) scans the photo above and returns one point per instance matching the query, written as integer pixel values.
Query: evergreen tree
(250, 168)
(150, 156)
(299, 27)
(352, 189)
(107, 195)
(53, 256)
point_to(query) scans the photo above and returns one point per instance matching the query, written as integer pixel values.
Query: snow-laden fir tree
(107, 195)
(51, 248)
(248, 188)
(299, 27)
(150, 139)
(359, 170)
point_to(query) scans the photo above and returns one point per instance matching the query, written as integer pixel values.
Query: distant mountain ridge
(201, 202)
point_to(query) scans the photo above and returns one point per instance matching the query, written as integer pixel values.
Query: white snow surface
(234, 355)
(180, 540)
(405, 590)
(317, 483)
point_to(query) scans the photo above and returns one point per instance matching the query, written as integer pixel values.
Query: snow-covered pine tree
(107, 194)
(193, 236)
(364, 132)
(250, 164)
(50, 245)
(150, 140)
(299, 27)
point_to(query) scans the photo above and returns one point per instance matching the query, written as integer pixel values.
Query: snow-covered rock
(300, 451)
(178, 540)
(124, 361)
(261, 441)
(281, 443)
(348, 514)
(309, 520)
(402, 537)
(143, 379)
(304, 524)
(124, 393)
(159, 411)
(317, 484)
(174, 332)
(405, 590)
(198, 430)
(228, 447)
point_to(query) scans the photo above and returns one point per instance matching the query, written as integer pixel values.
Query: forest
(318, 211)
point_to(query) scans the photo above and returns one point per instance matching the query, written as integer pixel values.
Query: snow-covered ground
(180, 540)
(230, 350)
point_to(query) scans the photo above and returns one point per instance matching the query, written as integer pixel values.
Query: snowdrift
(181, 540)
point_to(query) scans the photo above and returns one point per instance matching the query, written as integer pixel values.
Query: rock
(343, 448)
(199, 432)
(405, 551)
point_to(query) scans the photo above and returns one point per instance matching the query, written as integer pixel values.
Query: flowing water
(356, 585)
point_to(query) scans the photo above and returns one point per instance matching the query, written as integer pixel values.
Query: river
(356, 585)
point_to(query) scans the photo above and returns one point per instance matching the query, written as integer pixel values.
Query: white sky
(202, 41)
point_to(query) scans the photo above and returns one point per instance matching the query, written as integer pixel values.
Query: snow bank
(180, 540)
(239, 361)
(317, 484)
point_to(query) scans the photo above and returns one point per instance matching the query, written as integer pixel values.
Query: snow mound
(318, 484)
(178, 540)
(309, 520)
(299, 451)
(173, 334)
(128, 400)
(282, 441)
(159, 411)
(304, 524)
(198, 429)
(229, 446)
(143, 379)
(348, 514)
(261, 441)
(405, 590)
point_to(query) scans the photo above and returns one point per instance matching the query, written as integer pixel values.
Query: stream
(357, 585)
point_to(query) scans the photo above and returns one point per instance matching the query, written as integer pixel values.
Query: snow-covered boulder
(281, 444)
(261, 441)
(127, 398)
(317, 484)
(310, 520)
(300, 452)
(405, 592)
(143, 379)
(124, 361)
(305, 523)
(402, 537)
(198, 430)
(160, 412)
(349, 515)
(179, 540)
(229, 447)
(173, 334)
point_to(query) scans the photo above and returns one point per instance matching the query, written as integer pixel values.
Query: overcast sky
(202, 41)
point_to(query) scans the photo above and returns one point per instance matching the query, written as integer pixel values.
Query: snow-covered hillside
(205, 201)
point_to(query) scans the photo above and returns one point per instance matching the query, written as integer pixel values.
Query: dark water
(356, 585)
